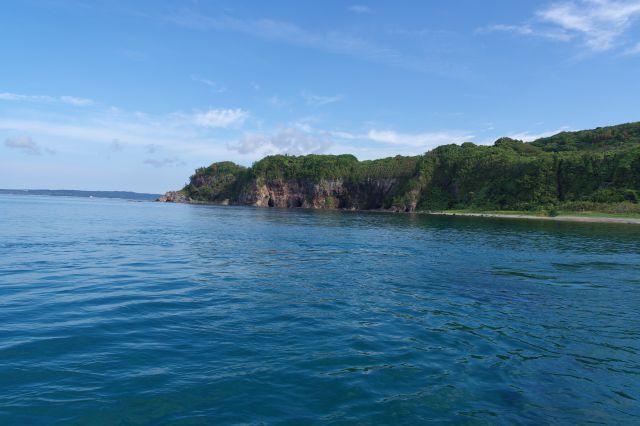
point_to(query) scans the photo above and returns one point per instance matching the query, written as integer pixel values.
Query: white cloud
(72, 100)
(173, 131)
(319, 100)
(360, 8)
(221, 118)
(6, 96)
(528, 30)
(97, 128)
(26, 145)
(528, 137)
(343, 135)
(599, 22)
(601, 25)
(103, 129)
(288, 140)
(421, 140)
(206, 134)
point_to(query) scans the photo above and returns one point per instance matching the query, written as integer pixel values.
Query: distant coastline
(125, 195)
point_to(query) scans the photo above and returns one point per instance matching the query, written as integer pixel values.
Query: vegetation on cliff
(587, 170)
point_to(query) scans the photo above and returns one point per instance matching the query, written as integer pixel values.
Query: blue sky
(134, 95)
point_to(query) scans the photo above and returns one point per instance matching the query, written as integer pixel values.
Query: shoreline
(491, 215)
(562, 218)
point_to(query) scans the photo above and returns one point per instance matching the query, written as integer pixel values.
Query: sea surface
(117, 312)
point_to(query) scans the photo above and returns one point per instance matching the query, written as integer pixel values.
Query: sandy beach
(618, 220)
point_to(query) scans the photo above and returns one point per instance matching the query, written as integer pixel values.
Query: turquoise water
(116, 312)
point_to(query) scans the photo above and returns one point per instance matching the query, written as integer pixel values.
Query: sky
(135, 95)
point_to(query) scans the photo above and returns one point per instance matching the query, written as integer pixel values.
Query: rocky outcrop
(294, 193)
(372, 194)
(174, 197)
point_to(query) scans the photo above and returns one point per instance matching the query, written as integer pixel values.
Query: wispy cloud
(528, 30)
(207, 134)
(26, 145)
(419, 140)
(319, 100)
(164, 162)
(133, 55)
(301, 138)
(176, 131)
(220, 118)
(287, 140)
(528, 136)
(278, 102)
(71, 100)
(74, 100)
(360, 8)
(214, 86)
(290, 33)
(599, 25)
(633, 50)
(356, 43)
(6, 96)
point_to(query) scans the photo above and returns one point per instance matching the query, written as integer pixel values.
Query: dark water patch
(598, 265)
(520, 274)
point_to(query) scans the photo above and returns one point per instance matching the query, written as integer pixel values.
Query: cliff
(333, 193)
(584, 169)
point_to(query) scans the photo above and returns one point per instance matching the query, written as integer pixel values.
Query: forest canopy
(592, 167)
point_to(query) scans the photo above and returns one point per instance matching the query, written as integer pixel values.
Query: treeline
(508, 177)
(583, 170)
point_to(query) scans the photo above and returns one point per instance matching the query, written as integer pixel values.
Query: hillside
(586, 170)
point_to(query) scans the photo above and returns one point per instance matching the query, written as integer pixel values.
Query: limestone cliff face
(294, 193)
(325, 194)
(372, 194)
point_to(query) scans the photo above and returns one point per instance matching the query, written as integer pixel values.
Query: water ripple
(138, 313)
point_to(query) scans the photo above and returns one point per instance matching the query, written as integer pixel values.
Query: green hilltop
(595, 170)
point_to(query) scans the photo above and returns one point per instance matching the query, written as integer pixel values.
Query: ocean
(121, 312)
